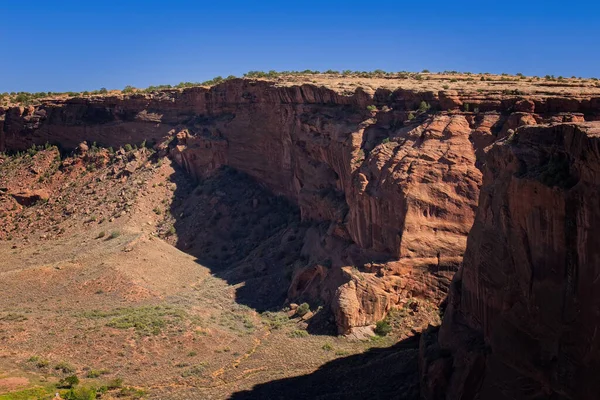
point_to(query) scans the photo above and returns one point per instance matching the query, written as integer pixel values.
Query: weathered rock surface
(522, 316)
(397, 188)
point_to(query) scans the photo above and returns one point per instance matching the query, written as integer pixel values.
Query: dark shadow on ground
(380, 373)
(242, 232)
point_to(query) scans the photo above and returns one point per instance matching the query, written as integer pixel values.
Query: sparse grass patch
(64, 367)
(131, 393)
(28, 394)
(114, 384)
(114, 234)
(196, 370)
(275, 320)
(39, 362)
(145, 321)
(299, 333)
(95, 373)
(13, 317)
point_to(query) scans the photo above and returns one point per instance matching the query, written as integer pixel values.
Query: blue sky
(84, 45)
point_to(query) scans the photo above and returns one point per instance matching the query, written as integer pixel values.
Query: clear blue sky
(60, 45)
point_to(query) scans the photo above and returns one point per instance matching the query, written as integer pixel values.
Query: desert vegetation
(452, 76)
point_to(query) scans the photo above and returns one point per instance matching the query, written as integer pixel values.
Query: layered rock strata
(397, 187)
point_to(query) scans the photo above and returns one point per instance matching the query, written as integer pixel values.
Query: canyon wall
(398, 188)
(523, 316)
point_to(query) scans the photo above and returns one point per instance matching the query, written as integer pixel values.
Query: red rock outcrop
(522, 316)
(398, 188)
(30, 197)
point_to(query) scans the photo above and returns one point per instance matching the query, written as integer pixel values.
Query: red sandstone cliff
(522, 317)
(399, 194)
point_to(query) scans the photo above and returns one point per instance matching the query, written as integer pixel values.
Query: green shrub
(68, 382)
(386, 140)
(42, 363)
(382, 328)
(372, 108)
(411, 116)
(361, 155)
(196, 370)
(64, 367)
(299, 333)
(128, 89)
(128, 147)
(92, 373)
(424, 106)
(303, 309)
(81, 393)
(556, 172)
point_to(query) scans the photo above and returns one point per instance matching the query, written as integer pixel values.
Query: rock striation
(396, 186)
(522, 315)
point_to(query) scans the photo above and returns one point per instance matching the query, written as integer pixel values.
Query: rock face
(523, 315)
(396, 188)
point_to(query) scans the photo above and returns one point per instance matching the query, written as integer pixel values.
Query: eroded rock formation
(522, 316)
(396, 188)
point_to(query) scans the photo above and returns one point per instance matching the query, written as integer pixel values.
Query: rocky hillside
(392, 175)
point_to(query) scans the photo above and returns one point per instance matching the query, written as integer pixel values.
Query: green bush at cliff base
(383, 328)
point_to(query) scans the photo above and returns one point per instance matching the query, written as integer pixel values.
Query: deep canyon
(482, 203)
